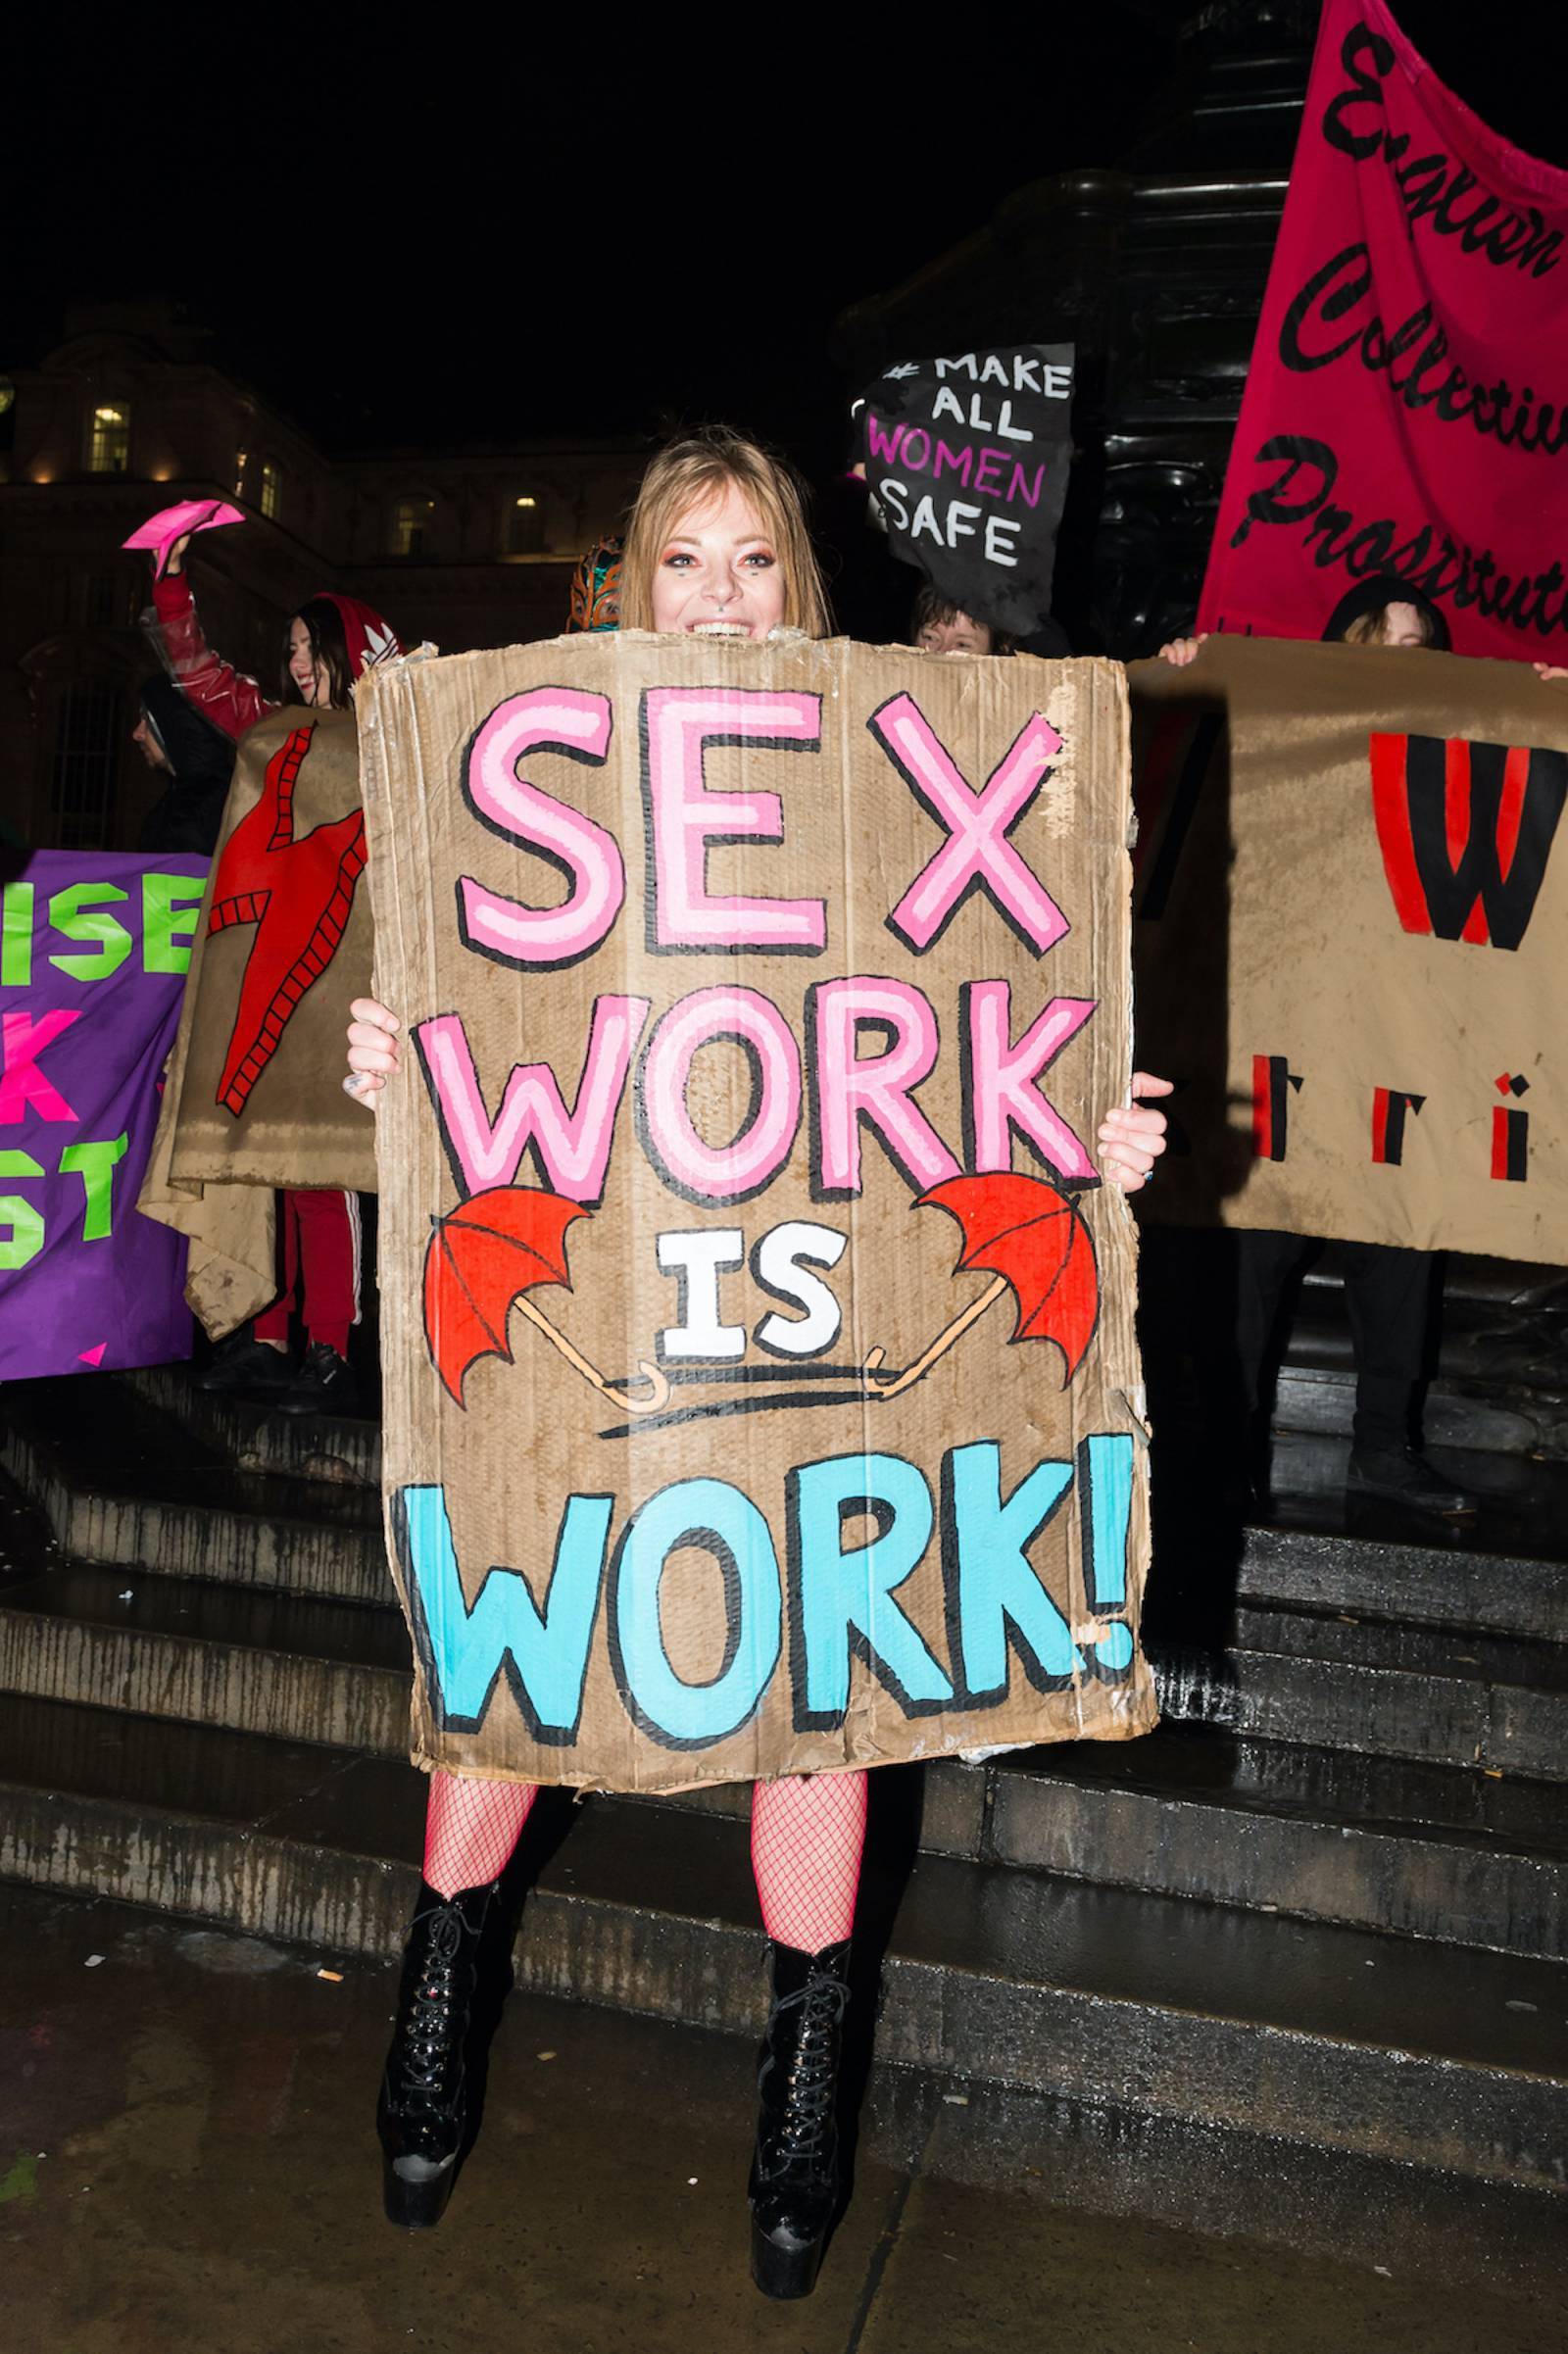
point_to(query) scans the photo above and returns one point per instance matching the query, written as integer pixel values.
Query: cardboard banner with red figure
(255, 1098)
(286, 945)
(1351, 901)
(709, 1452)
(1404, 410)
(293, 887)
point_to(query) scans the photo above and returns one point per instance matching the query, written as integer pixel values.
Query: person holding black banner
(716, 547)
(197, 761)
(330, 643)
(964, 463)
(1388, 1291)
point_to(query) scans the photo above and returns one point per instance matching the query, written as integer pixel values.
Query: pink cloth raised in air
(170, 524)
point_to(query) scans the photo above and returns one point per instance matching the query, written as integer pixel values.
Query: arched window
(271, 497)
(85, 751)
(411, 526)
(108, 445)
(525, 526)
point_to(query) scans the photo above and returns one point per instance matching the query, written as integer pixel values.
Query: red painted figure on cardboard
(297, 894)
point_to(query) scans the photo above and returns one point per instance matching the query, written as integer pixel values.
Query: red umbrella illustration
(483, 1259)
(1030, 1239)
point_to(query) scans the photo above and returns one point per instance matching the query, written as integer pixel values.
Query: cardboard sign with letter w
(762, 1394)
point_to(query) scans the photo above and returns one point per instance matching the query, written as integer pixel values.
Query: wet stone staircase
(1297, 1963)
(1500, 1362)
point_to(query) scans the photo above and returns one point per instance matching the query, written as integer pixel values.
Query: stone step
(336, 1673)
(304, 1671)
(1503, 1346)
(1422, 1850)
(1470, 1280)
(273, 1638)
(245, 1660)
(1281, 1673)
(132, 1489)
(1328, 1550)
(1285, 1678)
(1385, 2048)
(318, 1447)
(1499, 1389)
(1316, 1395)
(1500, 1381)
(1499, 1349)
(1417, 1849)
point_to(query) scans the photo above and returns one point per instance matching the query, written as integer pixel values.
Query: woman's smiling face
(310, 674)
(719, 573)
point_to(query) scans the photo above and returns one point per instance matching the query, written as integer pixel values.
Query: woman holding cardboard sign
(716, 547)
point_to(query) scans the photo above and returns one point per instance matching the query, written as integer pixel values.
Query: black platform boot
(795, 2174)
(455, 1970)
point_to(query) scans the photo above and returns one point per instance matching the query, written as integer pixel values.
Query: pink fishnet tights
(470, 1828)
(808, 1830)
(807, 1834)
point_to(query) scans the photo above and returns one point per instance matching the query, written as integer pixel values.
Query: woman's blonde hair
(1372, 629)
(694, 472)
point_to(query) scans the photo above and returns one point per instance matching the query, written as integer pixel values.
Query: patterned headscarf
(596, 588)
(368, 638)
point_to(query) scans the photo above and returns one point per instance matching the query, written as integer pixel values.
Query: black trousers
(1388, 1293)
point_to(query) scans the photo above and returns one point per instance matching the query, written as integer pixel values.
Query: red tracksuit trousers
(320, 1265)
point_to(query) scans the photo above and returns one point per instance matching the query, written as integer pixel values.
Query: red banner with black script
(1404, 409)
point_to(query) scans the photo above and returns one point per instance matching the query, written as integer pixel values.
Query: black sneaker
(244, 1367)
(1403, 1475)
(326, 1384)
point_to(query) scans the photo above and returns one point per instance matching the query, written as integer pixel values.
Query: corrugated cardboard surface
(231, 1269)
(296, 1126)
(681, 1683)
(1271, 947)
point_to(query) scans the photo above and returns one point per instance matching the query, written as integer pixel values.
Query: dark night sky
(444, 240)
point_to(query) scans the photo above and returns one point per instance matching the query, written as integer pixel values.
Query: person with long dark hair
(328, 645)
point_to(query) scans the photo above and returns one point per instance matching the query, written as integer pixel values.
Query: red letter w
(1466, 830)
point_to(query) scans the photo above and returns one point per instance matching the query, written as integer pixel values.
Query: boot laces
(427, 2048)
(807, 2106)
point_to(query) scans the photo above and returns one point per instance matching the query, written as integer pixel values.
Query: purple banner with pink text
(93, 954)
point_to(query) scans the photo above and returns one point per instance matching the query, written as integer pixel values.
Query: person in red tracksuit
(331, 640)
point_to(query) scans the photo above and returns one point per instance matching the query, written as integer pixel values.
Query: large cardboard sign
(254, 1097)
(93, 952)
(760, 1390)
(969, 457)
(1403, 410)
(1352, 905)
